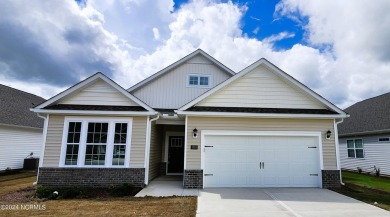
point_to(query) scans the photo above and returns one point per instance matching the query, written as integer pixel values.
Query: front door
(176, 154)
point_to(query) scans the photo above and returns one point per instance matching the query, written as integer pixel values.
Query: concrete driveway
(281, 202)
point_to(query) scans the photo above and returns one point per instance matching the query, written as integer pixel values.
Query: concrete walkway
(166, 186)
(299, 202)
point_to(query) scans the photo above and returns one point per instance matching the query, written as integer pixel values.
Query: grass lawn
(111, 206)
(16, 184)
(370, 189)
(363, 180)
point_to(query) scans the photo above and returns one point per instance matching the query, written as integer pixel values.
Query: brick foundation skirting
(331, 179)
(90, 177)
(163, 168)
(193, 179)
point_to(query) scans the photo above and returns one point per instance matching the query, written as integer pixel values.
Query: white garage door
(261, 161)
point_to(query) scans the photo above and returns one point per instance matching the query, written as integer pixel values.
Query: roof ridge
(381, 95)
(21, 91)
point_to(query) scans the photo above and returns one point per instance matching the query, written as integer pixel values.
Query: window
(118, 157)
(199, 80)
(355, 148)
(385, 139)
(101, 142)
(73, 143)
(96, 144)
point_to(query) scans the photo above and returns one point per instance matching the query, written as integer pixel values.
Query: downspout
(44, 133)
(336, 134)
(147, 151)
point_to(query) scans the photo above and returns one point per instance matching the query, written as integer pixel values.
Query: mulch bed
(21, 196)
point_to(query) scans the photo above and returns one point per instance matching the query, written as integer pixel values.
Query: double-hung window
(72, 143)
(199, 81)
(355, 148)
(97, 142)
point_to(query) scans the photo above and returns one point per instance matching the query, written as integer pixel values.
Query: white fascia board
(132, 113)
(177, 63)
(274, 69)
(88, 81)
(262, 115)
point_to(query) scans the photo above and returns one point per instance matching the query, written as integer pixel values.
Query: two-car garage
(261, 159)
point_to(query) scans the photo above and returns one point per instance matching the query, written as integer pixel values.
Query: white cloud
(256, 30)
(156, 33)
(346, 59)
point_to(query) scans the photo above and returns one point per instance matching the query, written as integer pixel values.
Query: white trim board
(79, 112)
(275, 70)
(84, 83)
(205, 133)
(177, 63)
(260, 115)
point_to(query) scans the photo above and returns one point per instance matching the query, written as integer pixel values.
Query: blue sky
(340, 49)
(259, 22)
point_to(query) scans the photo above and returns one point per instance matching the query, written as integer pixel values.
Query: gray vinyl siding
(171, 91)
(375, 154)
(262, 89)
(54, 140)
(155, 151)
(16, 143)
(259, 124)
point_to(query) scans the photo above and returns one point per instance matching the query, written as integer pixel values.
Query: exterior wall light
(328, 134)
(195, 133)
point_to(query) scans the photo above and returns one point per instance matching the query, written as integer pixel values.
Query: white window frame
(198, 85)
(354, 148)
(83, 140)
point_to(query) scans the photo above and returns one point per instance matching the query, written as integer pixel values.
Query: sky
(340, 49)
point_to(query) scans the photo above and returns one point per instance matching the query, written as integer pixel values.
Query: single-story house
(365, 136)
(20, 128)
(195, 118)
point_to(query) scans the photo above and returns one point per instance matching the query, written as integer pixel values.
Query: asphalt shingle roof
(15, 107)
(368, 115)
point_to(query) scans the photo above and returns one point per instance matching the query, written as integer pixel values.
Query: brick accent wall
(193, 178)
(163, 168)
(90, 177)
(331, 179)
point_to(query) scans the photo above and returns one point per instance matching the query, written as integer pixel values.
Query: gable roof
(43, 107)
(368, 116)
(276, 70)
(178, 63)
(15, 108)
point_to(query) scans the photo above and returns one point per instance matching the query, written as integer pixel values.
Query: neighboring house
(20, 128)
(365, 136)
(196, 118)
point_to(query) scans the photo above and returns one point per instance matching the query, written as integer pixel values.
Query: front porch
(167, 186)
(166, 150)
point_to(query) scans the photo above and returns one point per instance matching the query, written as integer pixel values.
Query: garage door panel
(234, 161)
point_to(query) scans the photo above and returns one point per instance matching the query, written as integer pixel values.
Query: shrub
(8, 170)
(57, 193)
(122, 190)
(46, 192)
(71, 192)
